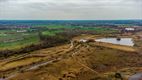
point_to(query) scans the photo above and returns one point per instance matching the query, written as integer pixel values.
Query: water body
(123, 41)
(137, 76)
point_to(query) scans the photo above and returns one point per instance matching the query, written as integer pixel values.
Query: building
(83, 40)
(129, 29)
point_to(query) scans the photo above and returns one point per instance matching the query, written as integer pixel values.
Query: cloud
(70, 9)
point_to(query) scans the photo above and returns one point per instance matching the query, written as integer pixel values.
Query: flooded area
(121, 41)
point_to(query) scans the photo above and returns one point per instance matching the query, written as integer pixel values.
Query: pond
(121, 41)
(137, 76)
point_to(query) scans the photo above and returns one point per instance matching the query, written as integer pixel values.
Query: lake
(137, 76)
(123, 41)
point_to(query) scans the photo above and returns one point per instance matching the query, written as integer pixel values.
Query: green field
(96, 29)
(99, 30)
(14, 41)
(11, 39)
(51, 33)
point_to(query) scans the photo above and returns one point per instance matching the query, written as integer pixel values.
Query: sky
(70, 9)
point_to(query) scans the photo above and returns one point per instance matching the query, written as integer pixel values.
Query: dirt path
(49, 56)
(79, 62)
(59, 55)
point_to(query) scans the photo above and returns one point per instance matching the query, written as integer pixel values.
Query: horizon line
(64, 19)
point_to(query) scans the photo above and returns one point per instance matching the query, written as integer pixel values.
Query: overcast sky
(70, 9)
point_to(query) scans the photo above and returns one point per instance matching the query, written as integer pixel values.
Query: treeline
(45, 42)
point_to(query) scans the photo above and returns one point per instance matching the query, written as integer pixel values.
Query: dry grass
(114, 46)
(22, 62)
(87, 57)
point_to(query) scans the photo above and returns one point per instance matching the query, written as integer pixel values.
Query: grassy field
(96, 29)
(51, 33)
(11, 39)
(61, 27)
(19, 44)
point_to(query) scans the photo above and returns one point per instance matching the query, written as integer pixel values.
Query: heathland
(69, 52)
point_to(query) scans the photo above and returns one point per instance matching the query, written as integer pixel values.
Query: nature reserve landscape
(70, 40)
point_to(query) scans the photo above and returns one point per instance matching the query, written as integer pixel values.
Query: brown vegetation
(83, 61)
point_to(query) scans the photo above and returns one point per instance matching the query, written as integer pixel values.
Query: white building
(83, 40)
(130, 29)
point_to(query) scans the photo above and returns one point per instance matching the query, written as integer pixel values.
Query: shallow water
(137, 76)
(123, 41)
